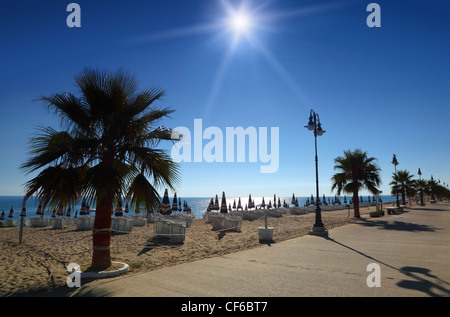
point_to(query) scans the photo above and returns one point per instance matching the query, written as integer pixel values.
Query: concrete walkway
(412, 250)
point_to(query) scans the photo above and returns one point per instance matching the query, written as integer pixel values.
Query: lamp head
(311, 125)
(319, 130)
(394, 160)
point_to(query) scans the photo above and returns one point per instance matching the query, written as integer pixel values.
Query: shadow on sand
(156, 242)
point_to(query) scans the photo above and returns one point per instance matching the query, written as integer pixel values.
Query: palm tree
(421, 187)
(433, 188)
(106, 151)
(403, 183)
(357, 171)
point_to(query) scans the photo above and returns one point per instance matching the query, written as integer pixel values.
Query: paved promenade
(411, 251)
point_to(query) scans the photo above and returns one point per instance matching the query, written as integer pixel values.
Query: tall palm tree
(433, 188)
(356, 171)
(105, 152)
(421, 187)
(403, 183)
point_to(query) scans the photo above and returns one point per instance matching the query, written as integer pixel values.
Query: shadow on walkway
(422, 281)
(397, 225)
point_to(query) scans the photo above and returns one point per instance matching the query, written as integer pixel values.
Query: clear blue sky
(385, 90)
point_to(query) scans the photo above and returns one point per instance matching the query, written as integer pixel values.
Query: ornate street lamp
(395, 162)
(315, 126)
(421, 189)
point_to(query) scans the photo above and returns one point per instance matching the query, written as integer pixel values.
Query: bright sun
(240, 23)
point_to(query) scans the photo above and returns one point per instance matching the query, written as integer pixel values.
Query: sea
(198, 205)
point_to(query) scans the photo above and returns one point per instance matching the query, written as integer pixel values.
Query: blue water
(198, 204)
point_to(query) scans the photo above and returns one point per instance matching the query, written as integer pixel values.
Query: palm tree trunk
(403, 197)
(101, 240)
(356, 205)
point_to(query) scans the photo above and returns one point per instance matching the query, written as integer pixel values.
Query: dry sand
(38, 265)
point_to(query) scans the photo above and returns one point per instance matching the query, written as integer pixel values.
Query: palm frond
(141, 193)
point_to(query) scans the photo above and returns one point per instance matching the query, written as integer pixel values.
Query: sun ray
(218, 78)
(282, 72)
(178, 33)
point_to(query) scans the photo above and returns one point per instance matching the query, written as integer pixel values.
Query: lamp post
(395, 162)
(432, 187)
(421, 189)
(315, 126)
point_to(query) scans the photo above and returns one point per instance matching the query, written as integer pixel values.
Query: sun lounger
(226, 223)
(175, 230)
(85, 223)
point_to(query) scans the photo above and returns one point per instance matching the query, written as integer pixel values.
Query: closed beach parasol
(263, 204)
(223, 206)
(293, 199)
(127, 208)
(165, 205)
(234, 204)
(118, 212)
(83, 210)
(39, 210)
(69, 211)
(216, 204)
(210, 205)
(11, 212)
(2, 216)
(239, 206)
(175, 202)
(251, 203)
(186, 208)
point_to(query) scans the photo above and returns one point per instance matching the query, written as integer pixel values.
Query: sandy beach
(38, 265)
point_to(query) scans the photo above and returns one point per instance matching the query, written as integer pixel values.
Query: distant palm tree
(403, 183)
(106, 152)
(433, 187)
(421, 187)
(357, 171)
